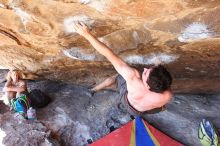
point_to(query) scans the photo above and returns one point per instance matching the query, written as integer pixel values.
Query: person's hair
(159, 79)
(8, 76)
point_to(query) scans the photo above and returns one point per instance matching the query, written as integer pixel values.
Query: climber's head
(157, 78)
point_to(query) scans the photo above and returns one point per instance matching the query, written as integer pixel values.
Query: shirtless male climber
(139, 94)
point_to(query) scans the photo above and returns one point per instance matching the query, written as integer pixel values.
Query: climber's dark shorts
(124, 103)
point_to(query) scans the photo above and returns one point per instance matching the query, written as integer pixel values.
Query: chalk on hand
(70, 21)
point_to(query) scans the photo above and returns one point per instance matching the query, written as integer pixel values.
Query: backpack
(207, 134)
(38, 98)
(20, 104)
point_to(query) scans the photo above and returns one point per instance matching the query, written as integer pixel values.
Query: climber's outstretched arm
(121, 67)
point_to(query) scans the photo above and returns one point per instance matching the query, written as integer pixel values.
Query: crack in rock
(14, 36)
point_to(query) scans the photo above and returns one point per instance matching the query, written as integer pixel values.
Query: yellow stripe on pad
(151, 135)
(133, 130)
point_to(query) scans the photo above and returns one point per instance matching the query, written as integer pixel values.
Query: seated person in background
(147, 92)
(14, 86)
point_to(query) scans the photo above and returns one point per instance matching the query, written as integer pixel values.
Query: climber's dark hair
(159, 79)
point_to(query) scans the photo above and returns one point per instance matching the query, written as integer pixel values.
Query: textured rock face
(37, 37)
(74, 116)
(22, 132)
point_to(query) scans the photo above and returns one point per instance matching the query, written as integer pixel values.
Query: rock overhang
(36, 38)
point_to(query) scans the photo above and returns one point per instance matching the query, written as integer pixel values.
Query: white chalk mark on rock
(24, 16)
(98, 5)
(189, 68)
(2, 67)
(77, 53)
(151, 58)
(195, 31)
(85, 1)
(69, 21)
(2, 6)
(136, 37)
